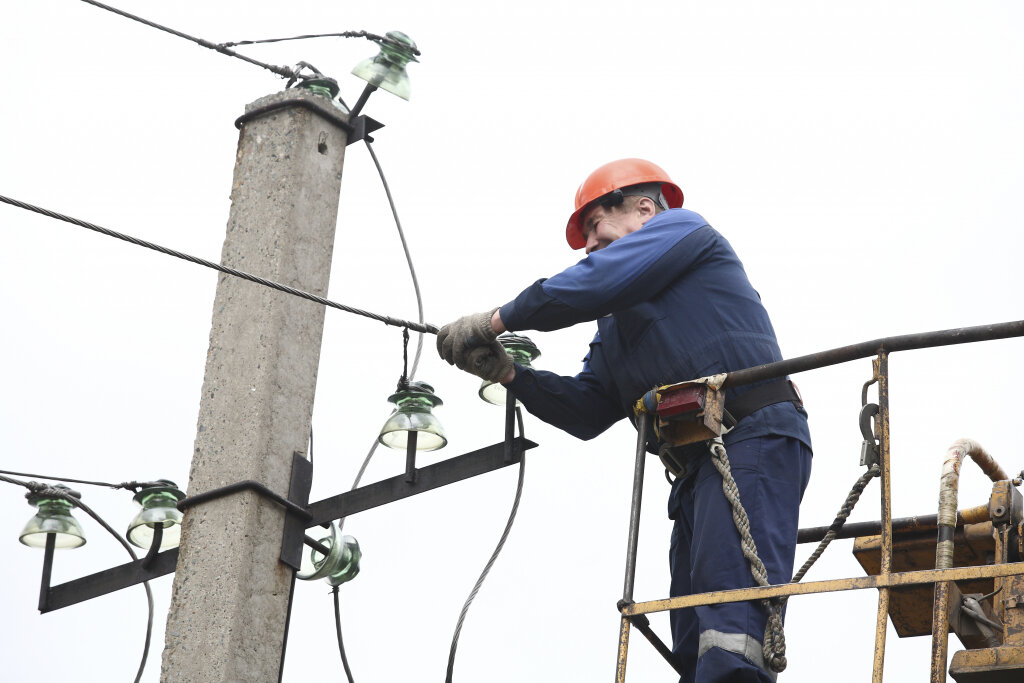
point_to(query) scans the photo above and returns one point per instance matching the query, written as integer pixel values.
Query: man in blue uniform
(672, 303)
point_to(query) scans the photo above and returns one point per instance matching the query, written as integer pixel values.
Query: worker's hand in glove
(491, 363)
(457, 339)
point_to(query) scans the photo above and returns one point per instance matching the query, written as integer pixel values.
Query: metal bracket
(156, 564)
(361, 128)
(300, 517)
(356, 127)
(428, 478)
(641, 623)
(295, 505)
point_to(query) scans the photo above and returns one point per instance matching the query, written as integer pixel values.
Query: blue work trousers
(720, 643)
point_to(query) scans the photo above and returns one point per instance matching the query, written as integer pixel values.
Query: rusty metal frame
(633, 614)
(785, 590)
(880, 365)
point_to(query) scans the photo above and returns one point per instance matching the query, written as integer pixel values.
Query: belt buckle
(677, 464)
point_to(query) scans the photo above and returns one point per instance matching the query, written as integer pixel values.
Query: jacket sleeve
(628, 271)
(583, 406)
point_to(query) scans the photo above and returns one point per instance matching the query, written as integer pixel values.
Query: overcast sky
(864, 159)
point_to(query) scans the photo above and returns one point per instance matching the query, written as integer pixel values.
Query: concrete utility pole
(229, 608)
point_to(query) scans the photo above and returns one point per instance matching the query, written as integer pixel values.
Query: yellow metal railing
(634, 614)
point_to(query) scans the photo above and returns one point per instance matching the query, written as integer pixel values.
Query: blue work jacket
(672, 303)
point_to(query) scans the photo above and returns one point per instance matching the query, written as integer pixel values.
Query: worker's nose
(591, 241)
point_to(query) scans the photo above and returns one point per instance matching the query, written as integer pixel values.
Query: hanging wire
(387, 320)
(408, 259)
(494, 556)
(410, 375)
(47, 490)
(341, 644)
(407, 374)
(404, 380)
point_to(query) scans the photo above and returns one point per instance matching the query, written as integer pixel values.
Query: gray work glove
(491, 363)
(456, 339)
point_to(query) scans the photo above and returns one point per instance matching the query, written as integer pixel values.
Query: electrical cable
(73, 481)
(133, 486)
(282, 71)
(387, 320)
(407, 374)
(408, 256)
(341, 645)
(344, 34)
(494, 556)
(419, 307)
(36, 487)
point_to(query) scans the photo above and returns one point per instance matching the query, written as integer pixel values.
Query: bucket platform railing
(634, 614)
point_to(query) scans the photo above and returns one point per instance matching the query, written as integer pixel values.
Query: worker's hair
(633, 194)
(630, 202)
(625, 199)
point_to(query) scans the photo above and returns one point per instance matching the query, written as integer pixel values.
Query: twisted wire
(387, 320)
(404, 381)
(343, 34)
(840, 520)
(133, 486)
(53, 492)
(774, 646)
(282, 71)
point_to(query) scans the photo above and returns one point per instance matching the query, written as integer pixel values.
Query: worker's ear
(646, 208)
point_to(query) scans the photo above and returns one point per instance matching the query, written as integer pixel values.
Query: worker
(672, 303)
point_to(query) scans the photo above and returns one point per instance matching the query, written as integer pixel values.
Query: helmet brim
(574, 228)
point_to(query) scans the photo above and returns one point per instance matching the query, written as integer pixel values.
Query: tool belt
(779, 391)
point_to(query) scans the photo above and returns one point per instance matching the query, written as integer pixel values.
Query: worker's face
(602, 226)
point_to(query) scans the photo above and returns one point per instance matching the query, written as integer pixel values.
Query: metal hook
(869, 447)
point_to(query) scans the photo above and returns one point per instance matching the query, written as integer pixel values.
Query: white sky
(863, 158)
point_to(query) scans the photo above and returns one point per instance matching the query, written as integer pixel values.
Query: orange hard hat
(616, 175)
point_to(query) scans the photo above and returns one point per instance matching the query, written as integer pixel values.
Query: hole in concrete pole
(321, 145)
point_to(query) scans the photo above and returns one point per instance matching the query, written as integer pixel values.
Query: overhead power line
(282, 71)
(387, 320)
(225, 47)
(344, 34)
(133, 486)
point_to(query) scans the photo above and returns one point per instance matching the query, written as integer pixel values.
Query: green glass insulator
(341, 563)
(53, 517)
(413, 413)
(387, 70)
(523, 351)
(158, 505)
